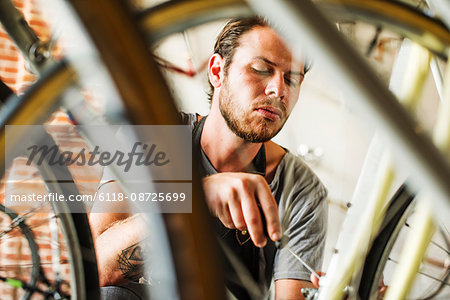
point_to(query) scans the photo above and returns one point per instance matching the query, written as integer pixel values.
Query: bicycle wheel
(382, 255)
(35, 275)
(15, 227)
(62, 263)
(74, 226)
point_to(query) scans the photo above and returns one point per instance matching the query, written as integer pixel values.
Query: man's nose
(276, 86)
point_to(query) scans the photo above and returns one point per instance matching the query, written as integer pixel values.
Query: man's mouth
(270, 112)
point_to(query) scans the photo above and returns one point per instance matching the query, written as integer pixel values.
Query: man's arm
(120, 252)
(233, 197)
(120, 246)
(290, 289)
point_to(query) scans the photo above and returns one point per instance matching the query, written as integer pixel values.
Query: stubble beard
(240, 121)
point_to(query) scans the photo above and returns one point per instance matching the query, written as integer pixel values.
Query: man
(250, 182)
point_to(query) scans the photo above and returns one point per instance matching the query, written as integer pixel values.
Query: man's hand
(315, 280)
(381, 288)
(239, 199)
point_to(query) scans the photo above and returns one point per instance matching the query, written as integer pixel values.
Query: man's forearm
(290, 289)
(121, 250)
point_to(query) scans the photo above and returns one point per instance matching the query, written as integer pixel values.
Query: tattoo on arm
(131, 261)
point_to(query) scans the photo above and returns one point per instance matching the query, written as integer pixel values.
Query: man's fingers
(315, 280)
(225, 217)
(240, 200)
(270, 210)
(236, 214)
(252, 218)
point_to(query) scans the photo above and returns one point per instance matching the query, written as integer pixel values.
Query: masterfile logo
(151, 164)
(140, 155)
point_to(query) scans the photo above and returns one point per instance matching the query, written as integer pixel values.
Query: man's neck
(226, 151)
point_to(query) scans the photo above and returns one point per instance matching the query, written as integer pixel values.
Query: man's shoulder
(300, 175)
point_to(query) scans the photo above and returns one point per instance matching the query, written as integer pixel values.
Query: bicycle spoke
(22, 218)
(445, 229)
(443, 297)
(26, 216)
(6, 234)
(29, 265)
(41, 241)
(441, 247)
(424, 274)
(432, 242)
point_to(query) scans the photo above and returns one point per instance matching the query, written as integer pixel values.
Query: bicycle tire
(35, 259)
(403, 19)
(383, 243)
(75, 228)
(170, 17)
(399, 209)
(167, 18)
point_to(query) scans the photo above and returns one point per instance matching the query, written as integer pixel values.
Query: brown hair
(228, 41)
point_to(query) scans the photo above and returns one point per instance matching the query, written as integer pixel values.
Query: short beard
(260, 133)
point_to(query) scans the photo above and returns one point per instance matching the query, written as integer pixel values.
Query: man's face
(261, 86)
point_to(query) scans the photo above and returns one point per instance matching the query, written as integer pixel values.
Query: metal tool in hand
(282, 243)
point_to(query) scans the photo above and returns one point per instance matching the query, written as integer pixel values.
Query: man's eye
(261, 71)
(292, 82)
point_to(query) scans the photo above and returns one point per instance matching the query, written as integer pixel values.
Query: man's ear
(215, 70)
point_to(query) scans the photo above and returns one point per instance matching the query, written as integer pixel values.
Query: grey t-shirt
(303, 212)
